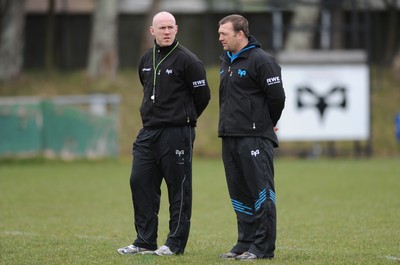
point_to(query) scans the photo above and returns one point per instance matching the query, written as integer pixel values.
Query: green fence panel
(20, 129)
(70, 132)
(59, 131)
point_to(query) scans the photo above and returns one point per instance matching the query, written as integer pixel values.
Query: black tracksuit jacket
(180, 87)
(251, 94)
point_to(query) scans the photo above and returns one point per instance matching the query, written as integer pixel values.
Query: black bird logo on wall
(334, 98)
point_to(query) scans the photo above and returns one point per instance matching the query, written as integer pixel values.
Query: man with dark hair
(251, 98)
(176, 93)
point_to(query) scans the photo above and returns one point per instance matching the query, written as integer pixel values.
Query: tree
(147, 39)
(392, 54)
(50, 25)
(103, 53)
(304, 20)
(392, 30)
(12, 39)
(396, 66)
(338, 16)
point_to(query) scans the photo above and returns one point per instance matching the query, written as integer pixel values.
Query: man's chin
(166, 43)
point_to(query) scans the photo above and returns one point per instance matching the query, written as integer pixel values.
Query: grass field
(329, 212)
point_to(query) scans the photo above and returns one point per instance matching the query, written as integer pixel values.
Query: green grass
(329, 212)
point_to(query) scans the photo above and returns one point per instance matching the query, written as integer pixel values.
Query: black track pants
(162, 154)
(249, 170)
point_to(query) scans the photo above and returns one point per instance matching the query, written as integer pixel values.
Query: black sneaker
(229, 255)
(246, 256)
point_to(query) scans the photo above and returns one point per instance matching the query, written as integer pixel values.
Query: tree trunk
(103, 54)
(392, 32)
(12, 39)
(147, 39)
(396, 66)
(337, 22)
(49, 52)
(303, 27)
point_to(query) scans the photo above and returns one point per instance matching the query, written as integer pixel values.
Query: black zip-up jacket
(251, 94)
(179, 93)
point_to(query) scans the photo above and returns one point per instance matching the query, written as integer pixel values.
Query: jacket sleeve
(273, 88)
(139, 69)
(197, 81)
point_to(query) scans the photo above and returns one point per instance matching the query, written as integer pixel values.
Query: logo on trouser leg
(255, 153)
(179, 152)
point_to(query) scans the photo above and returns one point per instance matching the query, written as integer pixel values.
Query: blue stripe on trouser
(261, 199)
(239, 207)
(272, 196)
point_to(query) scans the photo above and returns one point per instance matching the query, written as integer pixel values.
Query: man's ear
(242, 35)
(152, 30)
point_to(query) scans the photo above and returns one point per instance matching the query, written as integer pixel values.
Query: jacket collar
(165, 49)
(253, 43)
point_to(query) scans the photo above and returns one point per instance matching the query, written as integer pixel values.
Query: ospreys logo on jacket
(251, 93)
(174, 86)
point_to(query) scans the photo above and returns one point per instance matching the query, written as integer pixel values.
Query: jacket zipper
(252, 113)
